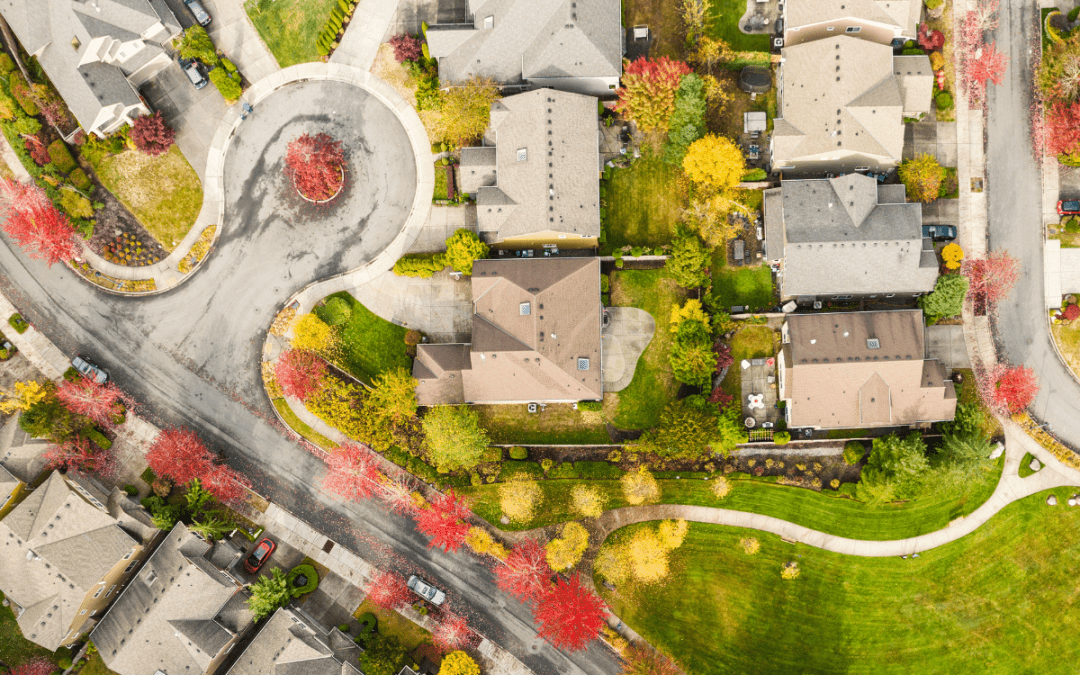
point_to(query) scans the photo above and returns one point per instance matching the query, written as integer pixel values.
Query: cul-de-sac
(539, 337)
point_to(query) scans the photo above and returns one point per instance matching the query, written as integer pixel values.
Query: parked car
(89, 370)
(1069, 207)
(426, 590)
(259, 555)
(194, 73)
(201, 15)
(939, 232)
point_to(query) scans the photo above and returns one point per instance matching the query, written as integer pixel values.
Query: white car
(426, 590)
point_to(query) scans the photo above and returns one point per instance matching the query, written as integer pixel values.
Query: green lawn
(643, 203)
(653, 385)
(724, 25)
(290, 27)
(1025, 466)
(14, 648)
(408, 633)
(824, 511)
(747, 286)
(370, 344)
(95, 666)
(300, 427)
(440, 182)
(1001, 600)
(751, 342)
(557, 424)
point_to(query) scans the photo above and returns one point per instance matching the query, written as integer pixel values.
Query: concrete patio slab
(628, 332)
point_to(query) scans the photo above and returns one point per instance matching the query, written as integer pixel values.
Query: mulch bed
(118, 233)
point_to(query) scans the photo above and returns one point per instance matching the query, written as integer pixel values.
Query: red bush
(300, 373)
(406, 47)
(1071, 313)
(39, 152)
(152, 135)
(930, 40)
(315, 163)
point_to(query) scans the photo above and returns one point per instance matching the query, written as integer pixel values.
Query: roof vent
(525, 309)
(873, 343)
(582, 364)
(522, 154)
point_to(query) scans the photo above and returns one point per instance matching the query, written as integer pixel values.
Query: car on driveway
(1069, 207)
(201, 15)
(939, 232)
(259, 555)
(194, 73)
(89, 370)
(426, 590)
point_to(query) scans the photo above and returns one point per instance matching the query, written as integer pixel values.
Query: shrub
(336, 312)
(195, 43)
(937, 60)
(413, 338)
(20, 90)
(64, 661)
(933, 4)
(406, 47)
(61, 157)
(131, 490)
(79, 179)
(151, 135)
(1073, 14)
(520, 471)
(75, 205)
(20, 325)
(6, 64)
(1071, 313)
(781, 438)
(943, 100)
(97, 438)
(853, 452)
(312, 580)
(229, 88)
(590, 406)
(423, 265)
(344, 628)
(369, 623)
(518, 453)
(228, 65)
(546, 464)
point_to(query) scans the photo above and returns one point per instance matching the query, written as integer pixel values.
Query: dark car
(1069, 207)
(193, 72)
(201, 15)
(939, 232)
(259, 555)
(89, 370)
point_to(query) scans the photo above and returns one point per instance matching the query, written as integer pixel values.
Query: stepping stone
(999, 449)
(1035, 465)
(1072, 501)
(1051, 500)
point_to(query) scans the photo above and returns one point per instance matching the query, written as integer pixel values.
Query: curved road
(192, 355)
(1014, 204)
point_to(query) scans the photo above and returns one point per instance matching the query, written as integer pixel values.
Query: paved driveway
(194, 113)
(930, 137)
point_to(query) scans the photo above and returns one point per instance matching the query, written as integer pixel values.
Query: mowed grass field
(1002, 600)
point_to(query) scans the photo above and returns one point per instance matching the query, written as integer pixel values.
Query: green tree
(687, 123)
(268, 594)
(389, 411)
(462, 249)
(692, 359)
(465, 111)
(899, 463)
(730, 430)
(922, 177)
(689, 260)
(947, 299)
(196, 496)
(336, 312)
(383, 655)
(454, 437)
(211, 525)
(686, 428)
(196, 44)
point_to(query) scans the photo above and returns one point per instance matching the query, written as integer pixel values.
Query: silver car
(201, 15)
(89, 370)
(426, 590)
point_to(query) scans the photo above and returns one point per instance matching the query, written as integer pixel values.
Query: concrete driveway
(946, 344)
(628, 332)
(930, 137)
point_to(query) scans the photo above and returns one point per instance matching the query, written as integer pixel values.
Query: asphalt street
(191, 356)
(1015, 219)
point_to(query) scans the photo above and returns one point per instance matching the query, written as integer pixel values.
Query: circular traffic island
(316, 167)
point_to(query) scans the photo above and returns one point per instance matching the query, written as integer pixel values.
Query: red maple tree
(642, 659)
(179, 455)
(38, 666)
(981, 64)
(388, 590)
(397, 493)
(81, 456)
(930, 40)
(406, 47)
(525, 574)
(570, 615)
(151, 135)
(443, 521)
(990, 279)
(315, 165)
(1062, 128)
(100, 402)
(1008, 390)
(300, 373)
(452, 633)
(40, 229)
(228, 485)
(648, 92)
(352, 472)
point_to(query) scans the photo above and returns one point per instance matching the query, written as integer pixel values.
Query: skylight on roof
(525, 309)
(873, 343)
(522, 154)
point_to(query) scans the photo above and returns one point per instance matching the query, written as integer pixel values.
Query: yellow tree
(612, 563)
(672, 533)
(714, 162)
(639, 487)
(458, 663)
(691, 311)
(311, 333)
(952, 254)
(519, 499)
(566, 551)
(708, 216)
(465, 111)
(648, 556)
(24, 397)
(588, 501)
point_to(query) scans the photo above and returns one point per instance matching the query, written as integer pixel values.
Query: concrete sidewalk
(367, 30)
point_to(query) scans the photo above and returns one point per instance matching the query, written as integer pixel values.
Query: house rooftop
(290, 643)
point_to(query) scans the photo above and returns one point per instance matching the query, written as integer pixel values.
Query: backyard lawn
(823, 511)
(751, 342)
(643, 203)
(557, 423)
(163, 192)
(664, 22)
(653, 385)
(14, 648)
(370, 344)
(724, 25)
(747, 286)
(290, 27)
(1000, 600)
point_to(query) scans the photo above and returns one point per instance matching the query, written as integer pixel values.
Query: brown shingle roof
(862, 369)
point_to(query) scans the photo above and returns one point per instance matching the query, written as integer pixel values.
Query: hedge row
(423, 265)
(327, 40)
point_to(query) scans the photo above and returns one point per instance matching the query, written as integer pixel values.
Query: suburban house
(861, 369)
(96, 52)
(536, 180)
(21, 453)
(181, 614)
(846, 237)
(290, 642)
(64, 556)
(570, 45)
(842, 106)
(535, 337)
(887, 22)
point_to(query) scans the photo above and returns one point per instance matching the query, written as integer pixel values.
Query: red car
(1069, 207)
(259, 555)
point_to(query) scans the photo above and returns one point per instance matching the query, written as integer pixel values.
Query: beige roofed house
(293, 644)
(535, 337)
(541, 180)
(62, 559)
(880, 21)
(842, 106)
(861, 369)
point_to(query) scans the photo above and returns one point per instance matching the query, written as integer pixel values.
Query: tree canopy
(947, 299)
(922, 176)
(647, 96)
(895, 470)
(687, 123)
(462, 249)
(689, 260)
(268, 594)
(714, 162)
(454, 437)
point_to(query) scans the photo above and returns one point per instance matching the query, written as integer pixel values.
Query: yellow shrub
(639, 487)
(750, 545)
(519, 499)
(790, 571)
(565, 552)
(952, 254)
(458, 663)
(24, 397)
(312, 333)
(587, 501)
(721, 487)
(479, 540)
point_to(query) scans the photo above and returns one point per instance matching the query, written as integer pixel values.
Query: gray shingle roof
(916, 80)
(555, 38)
(20, 453)
(839, 239)
(547, 166)
(291, 644)
(54, 548)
